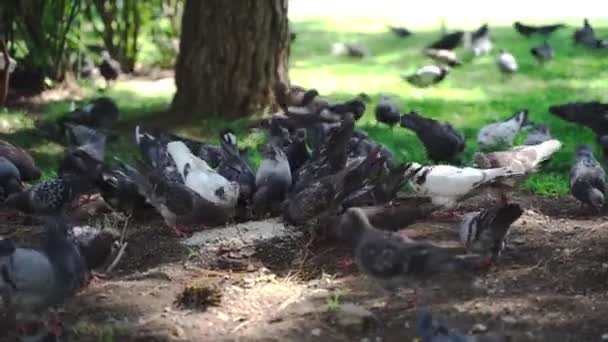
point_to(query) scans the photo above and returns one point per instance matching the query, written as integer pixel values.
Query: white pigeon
(201, 178)
(502, 133)
(427, 75)
(506, 62)
(446, 184)
(482, 46)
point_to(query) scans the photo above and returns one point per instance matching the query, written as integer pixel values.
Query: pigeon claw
(178, 230)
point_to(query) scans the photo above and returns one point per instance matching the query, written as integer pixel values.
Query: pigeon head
(364, 97)
(357, 107)
(309, 96)
(105, 55)
(584, 151)
(300, 135)
(521, 116)
(411, 169)
(228, 137)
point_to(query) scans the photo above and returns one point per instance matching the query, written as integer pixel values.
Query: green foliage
(49, 34)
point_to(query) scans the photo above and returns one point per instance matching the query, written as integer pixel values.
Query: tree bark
(231, 53)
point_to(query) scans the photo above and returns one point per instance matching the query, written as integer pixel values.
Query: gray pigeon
(502, 134)
(507, 64)
(442, 142)
(329, 158)
(430, 330)
(485, 232)
(587, 178)
(272, 180)
(33, 280)
(543, 52)
(387, 112)
(395, 261)
(427, 75)
(326, 195)
(100, 113)
(537, 134)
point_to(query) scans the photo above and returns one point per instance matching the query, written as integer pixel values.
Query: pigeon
(350, 50)
(101, 113)
(485, 232)
(202, 179)
(234, 167)
(384, 189)
(292, 96)
(399, 31)
(543, 52)
(445, 57)
(587, 178)
(273, 180)
(28, 170)
(109, 67)
(324, 196)
(120, 190)
(449, 41)
(397, 216)
(387, 112)
(590, 114)
(84, 67)
(95, 244)
(86, 158)
(506, 62)
(524, 160)
(427, 75)
(50, 197)
(586, 35)
(529, 30)
(79, 135)
(355, 107)
(329, 158)
(502, 134)
(394, 261)
(297, 152)
(442, 142)
(79, 162)
(447, 185)
(182, 209)
(429, 330)
(34, 280)
(10, 179)
(479, 41)
(537, 134)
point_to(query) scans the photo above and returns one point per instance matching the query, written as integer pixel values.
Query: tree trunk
(231, 53)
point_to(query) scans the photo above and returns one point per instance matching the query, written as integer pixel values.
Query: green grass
(472, 95)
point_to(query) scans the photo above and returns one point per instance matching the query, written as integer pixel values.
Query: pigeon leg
(345, 263)
(178, 230)
(54, 324)
(451, 214)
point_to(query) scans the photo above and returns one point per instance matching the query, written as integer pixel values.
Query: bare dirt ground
(549, 286)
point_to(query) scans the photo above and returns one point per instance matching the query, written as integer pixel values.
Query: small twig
(121, 251)
(124, 229)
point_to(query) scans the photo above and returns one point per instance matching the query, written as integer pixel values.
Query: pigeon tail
(596, 197)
